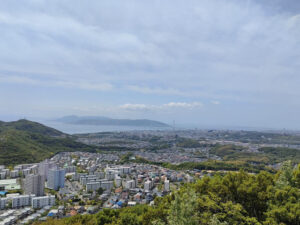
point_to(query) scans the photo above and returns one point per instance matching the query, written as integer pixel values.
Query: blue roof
(3, 192)
(120, 203)
(51, 214)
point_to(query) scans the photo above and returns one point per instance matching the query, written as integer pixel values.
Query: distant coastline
(80, 129)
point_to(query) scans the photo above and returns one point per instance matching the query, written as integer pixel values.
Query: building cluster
(29, 183)
(80, 182)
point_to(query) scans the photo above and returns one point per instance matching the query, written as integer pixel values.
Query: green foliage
(296, 177)
(29, 126)
(265, 156)
(276, 155)
(182, 211)
(224, 150)
(100, 191)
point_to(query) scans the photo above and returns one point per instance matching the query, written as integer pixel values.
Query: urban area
(73, 183)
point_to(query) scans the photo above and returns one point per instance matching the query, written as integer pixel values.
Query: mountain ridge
(100, 120)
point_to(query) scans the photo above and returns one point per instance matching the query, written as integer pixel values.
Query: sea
(81, 129)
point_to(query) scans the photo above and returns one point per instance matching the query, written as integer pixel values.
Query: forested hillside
(24, 141)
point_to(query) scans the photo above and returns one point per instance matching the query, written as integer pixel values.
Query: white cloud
(167, 106)
(135, 107)
(215, 102)
(183, 104)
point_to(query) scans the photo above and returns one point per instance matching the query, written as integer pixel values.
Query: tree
(100, 191)
(183, 210)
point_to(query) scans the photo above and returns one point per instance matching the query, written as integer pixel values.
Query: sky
(202, 62)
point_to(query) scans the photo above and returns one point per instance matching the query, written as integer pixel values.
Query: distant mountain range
(24, 141)
(99, 120)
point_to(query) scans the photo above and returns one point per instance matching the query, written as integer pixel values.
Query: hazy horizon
(205, 63)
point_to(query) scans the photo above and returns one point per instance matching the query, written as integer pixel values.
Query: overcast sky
(207, 62)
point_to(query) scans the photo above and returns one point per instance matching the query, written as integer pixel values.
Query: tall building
(3, 202)
(130, 184)
(148, 185)
(44, 168)
(56, 179)
(34, 184)
(167, 185)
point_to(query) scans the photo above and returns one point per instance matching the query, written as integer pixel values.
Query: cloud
(140, 49)
(155, 90)
(167, 106)
(163, 54)
(135, 107)
(183, 104)
(215, 102)
(75, 84)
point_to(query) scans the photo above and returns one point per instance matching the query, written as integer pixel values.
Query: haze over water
(79, 129)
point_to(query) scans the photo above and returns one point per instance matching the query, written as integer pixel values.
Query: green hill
(30, 126)
(24, 141)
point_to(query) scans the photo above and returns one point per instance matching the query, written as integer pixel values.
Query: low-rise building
(40, 202)
(21, 201)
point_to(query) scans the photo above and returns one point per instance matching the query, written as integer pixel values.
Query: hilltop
(30, 126)
(24, 141)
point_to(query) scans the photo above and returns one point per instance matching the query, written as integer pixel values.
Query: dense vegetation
(27, 142)
(236, 198)
(208, 165)
(290, 138)
(281, 154)
(264, 156)
(30, 126)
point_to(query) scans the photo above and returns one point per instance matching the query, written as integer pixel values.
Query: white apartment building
(21, 201)
(107, 185)
(93, 186)
(70, 169)
(3, 202)
(44, 167)
(167, 185)
(104, 184)
(118, 181)
(88, 179)
(25, 172)
(149, 184)
(2, 175)
(14, 173)
(100, 175)
(56, 179)
(130, 184)
(117, 170)
(34, 184)
(110, 174)
(40, 202)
